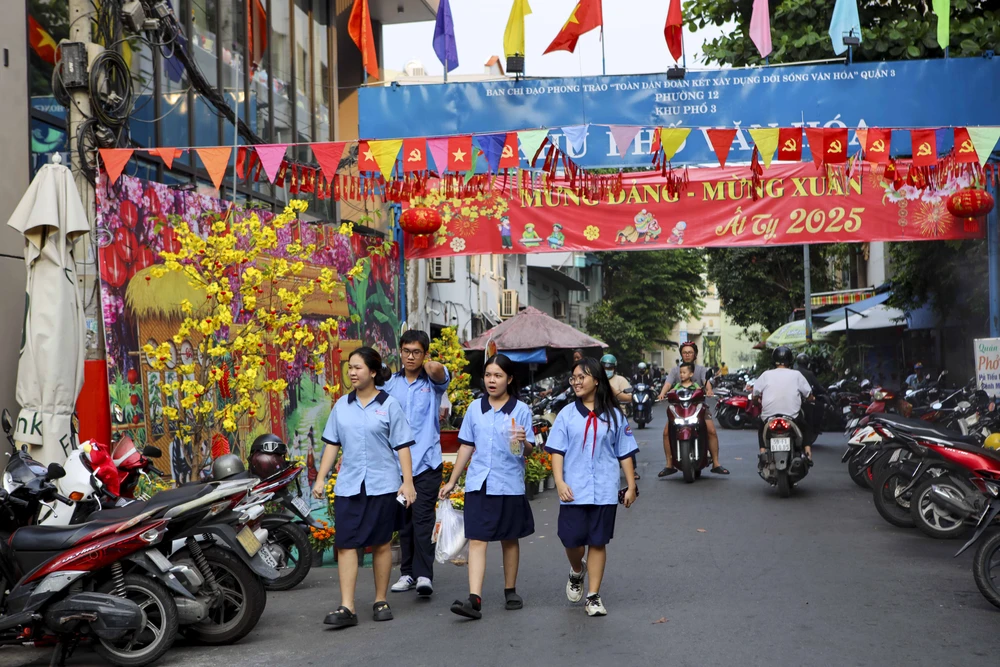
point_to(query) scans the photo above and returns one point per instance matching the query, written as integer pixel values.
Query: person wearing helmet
(916, 379)
(689, 355)
(782, 391)
(619, 384)
(642, 375)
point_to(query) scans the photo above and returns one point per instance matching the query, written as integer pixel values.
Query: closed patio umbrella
(50, 368)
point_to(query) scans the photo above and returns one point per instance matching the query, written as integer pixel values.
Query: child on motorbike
(686, 374)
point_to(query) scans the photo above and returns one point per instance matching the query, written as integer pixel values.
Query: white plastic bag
(449, 535)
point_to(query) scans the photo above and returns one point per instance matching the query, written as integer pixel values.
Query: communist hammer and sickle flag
(414, 155)
(510, 158)
(879, 142)
(835, 145)
(924, 144)
(790, 144)
(965, 150)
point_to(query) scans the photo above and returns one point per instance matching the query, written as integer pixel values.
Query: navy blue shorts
(586, 525)
(366, 521)
(496, 518)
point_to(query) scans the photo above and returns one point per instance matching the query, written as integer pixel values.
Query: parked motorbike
(738, 411)
(783, 462)
(686, 411)
(642, 404)
(986, 561)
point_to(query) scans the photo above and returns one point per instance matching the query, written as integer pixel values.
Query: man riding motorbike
(782, 391)
(916, 379)
(689, 353)
(642, 375)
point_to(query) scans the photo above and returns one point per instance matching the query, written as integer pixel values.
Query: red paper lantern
(970, 204)
(422, 223)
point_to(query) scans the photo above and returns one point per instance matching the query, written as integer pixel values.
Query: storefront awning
(558, 277)
(842, 298)
(856, 307)
(876, 317)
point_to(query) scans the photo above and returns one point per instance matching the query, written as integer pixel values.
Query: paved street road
(741, 576)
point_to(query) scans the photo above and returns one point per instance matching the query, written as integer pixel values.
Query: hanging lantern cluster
(421, 222)
(970, 204)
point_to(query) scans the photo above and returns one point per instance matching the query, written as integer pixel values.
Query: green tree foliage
(891, 29)
(762, 286)
(645, 294)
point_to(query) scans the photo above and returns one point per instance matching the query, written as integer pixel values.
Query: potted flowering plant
(535, 473)
(322, 540)
(450, 352)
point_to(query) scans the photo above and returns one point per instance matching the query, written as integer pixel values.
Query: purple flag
(444, 37)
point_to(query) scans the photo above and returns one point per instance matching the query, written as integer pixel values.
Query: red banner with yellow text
(796, 204)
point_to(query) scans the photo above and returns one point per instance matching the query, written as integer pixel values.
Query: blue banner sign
(926, 93)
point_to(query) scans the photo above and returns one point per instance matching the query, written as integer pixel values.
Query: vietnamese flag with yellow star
(460, 153)
(41, 41)
(586, 16)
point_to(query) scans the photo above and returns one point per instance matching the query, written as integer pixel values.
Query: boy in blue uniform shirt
(589, 441)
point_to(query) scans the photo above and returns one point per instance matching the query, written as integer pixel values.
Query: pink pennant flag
(624, 135)
(271, 156)
(438, 148)
(760, 28)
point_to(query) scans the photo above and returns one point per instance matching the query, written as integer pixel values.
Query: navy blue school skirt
(495, 518)
(586, 525)
(366, 521)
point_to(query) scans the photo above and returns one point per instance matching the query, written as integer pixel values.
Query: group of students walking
(391, 472)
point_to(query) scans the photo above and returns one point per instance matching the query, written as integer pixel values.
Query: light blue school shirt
(590, 454)
(421, 401)
(368, 435)
(492, 463)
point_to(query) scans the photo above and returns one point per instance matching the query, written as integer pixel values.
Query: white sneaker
(424, 587)
(404, 584)
(574, 587)
(594, 605)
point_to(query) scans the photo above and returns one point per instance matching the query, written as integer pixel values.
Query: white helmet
(642, 365)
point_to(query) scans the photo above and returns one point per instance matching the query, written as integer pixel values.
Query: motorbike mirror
(8, 426)
(964, 405)
(55, 471)
(936, 405)
(151, 452)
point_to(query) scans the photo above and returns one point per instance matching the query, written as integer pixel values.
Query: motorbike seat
(162, 500)
(55, 538)
(920, 428)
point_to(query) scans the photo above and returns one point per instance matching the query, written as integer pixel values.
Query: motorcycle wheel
(784, 484)
(891, 505)
(737, 420)
(857, 472)
(151, 642)
(986, 567)
(933, 520)
(725, 419)
(292, 540)
(687, 466)
(242, 605)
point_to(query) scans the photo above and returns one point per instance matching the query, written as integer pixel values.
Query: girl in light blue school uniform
(495, 433)
(370, 426)
(589, 442)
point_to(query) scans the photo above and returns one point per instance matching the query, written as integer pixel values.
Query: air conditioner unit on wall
(441, 270)
(508, 304)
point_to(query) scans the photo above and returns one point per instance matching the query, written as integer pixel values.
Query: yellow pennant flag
(513, 36)
(766, 140)
(385, 152)
(671, 139)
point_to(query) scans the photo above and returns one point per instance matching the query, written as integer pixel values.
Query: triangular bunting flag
(862, 135)
(965, 151)
(671, 139)
(624, 135)
(492, 145)
(168, 155)
(215, 160)
(271, 156)
(576, 137)
(531, 141)
(328, 157)
(766, 141)
(386, 151)
(924, 146)
(814, 135)
(114, 160)
(985, 140)
(366, 158)
(722, 141)
(790, 144)
(438, 149)
(510, 158)
(414, 155)
(475, 160)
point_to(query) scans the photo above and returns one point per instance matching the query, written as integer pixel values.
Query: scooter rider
(618, 383)
(689, 353)
(642, 375)
(782, 391)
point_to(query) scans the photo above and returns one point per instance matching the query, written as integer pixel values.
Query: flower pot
(317, 558)
(449, 442)
(550, 483)
(541, 486)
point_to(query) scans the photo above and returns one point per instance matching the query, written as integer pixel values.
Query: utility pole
(79, 111)
(808, 290)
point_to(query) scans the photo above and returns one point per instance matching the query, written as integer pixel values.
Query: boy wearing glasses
(418, 387)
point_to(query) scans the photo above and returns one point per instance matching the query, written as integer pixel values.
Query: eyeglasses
(577, 379)
(412, 354)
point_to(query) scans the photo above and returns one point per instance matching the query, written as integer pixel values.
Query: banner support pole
(993, 248)
(807, 280)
